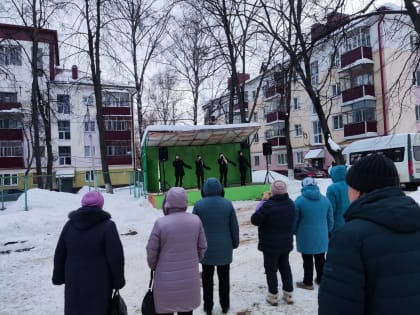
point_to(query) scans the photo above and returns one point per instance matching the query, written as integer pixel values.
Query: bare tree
(166, 99)
(413, 10)
(192, 55)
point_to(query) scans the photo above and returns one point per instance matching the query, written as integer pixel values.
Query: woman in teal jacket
(222, 233)
(313, 221)
(337, 194)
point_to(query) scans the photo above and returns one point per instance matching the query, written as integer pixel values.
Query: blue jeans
(280, 262)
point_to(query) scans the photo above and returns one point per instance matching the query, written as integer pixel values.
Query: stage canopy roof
(182, 135)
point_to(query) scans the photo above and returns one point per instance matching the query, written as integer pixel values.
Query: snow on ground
(28, 240)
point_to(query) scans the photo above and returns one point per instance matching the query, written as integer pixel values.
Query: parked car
(301, 173)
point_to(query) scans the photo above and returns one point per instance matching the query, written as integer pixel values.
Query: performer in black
(223, 168)
(243, 165)
(199, 170)
(179, 165)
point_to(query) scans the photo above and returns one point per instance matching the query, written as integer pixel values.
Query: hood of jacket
(311, 192)
(388, 207)
(212, 187)
(86, 217)
(338, 173)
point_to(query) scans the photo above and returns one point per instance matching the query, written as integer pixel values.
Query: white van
(403, 149)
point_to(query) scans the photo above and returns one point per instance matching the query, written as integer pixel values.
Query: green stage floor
(234, 193)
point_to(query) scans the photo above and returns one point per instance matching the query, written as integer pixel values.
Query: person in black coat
(243, 165)
(373, 260)
(223, 168)
(199, 171)
(179, 165)
(275, 219)
(89, 259)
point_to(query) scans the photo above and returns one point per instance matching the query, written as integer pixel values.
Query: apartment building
(69, 96)
(369, 87)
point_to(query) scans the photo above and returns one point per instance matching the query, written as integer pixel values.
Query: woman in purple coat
(176, 245)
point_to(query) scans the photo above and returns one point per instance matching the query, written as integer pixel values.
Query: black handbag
(148, 304)
(118, 306)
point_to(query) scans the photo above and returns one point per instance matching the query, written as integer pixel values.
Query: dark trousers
(179, 313)
(178, 180)
(200, 180)
(223, 177)
(308, 267)
(224, 285)
(243, 176)
(274, 263)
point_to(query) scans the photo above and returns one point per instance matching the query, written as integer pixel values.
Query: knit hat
(175, 198)
(278, 187)
(93, 198)
(372, 172)
(308, 181)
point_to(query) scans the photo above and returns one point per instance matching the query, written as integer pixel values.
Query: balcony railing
(117, 135)
(360, 128)
(236, 106)
(116, 111)
(277, 141)
(11, 134)
(270, 117)
(11, 162)
(357, 92)
(119, 160)
(272, 90)
(8, 106)
(356, 54)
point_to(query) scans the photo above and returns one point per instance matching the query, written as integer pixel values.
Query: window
(282, 158)
(117, 125)
(8, 179)
(11, 148)
(118, 148)
(88, 100)
(298, 130)
(63, 103)
(89, 126)
(10, 55)
(255, 117)
(363, 79)
(256, 138)
(299, 157)
(414, 42)
(338, 122)
(417, 78)
(335, 59)
(89, 151)
(335, 89)
(254, 95)
(417, 112)
(115, 99)
(9, 124)
(296, 103)
(64, 155)
(64, 129)
(317, 132)
(256, 160)
(314, 73)
(89, 176)
(8, 97)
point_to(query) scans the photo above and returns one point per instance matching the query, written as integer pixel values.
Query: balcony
(122, 111)
(272, 90)
(11, 162)
(117, 135)
(357, 92)
(359, 129)
(11, 134)
(274, 116)
(358, 54)
(9, 106)
(236, 106)
(277, 141)
(119, 160)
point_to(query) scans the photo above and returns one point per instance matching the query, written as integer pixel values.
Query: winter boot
(272, 299)
(305, 286)
(288, 297)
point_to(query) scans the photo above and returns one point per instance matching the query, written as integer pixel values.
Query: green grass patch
(248, 192)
